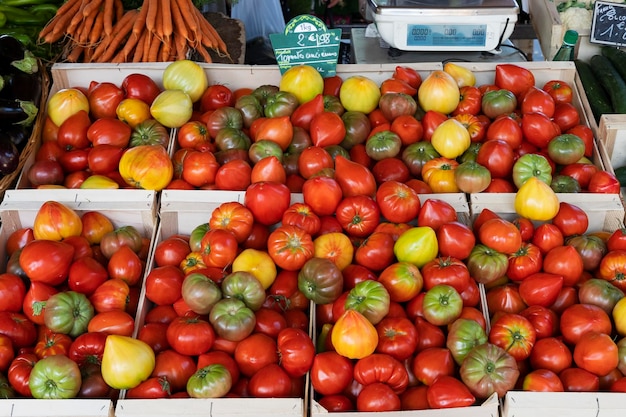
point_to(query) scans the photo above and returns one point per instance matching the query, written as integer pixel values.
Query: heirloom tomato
(353, 335)
(296, 351)
(463, 335)
(505, 298)
(331, 373)
(18, 328)
(578, 319)
(489, 369)
(12, 292)
(393, 85)
(233, 217)
(596, 352)
(470, 101)
(46, 261)
(455, 240)
(526, 261)
(513, 333)
(408, 128)
(603, 182)
(535, 200)
(417, 245)
(397, 337)
(539, 129)
(126, 362)
(68, 312)
(541, 288)
(359, 93)
(439, 174)
(565, 261)
(312, 160)
(358, 215)
(442, 304)
(380, 367)
(140, 86)
(55, 377)
(432, 363)
(449, 392)
(552, 354)
(472, 177)
(514, 78)
(376, 251)
(497, 156)
(439, 92)
(537, 100)
(507, 129)
(320, 280)
(403, 281)
(500, 235)
(567, 117)
(267, 201)
(498, 102)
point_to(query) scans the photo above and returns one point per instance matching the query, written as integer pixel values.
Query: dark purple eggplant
(22, 86)
(14, 111)
(15, 57)
(9, 156)
(18, 134)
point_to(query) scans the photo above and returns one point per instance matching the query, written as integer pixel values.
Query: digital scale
(444, 25)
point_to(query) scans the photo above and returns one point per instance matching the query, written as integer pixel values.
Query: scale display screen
(446, 35)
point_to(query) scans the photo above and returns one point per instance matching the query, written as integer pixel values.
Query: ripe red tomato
(596, 352)
(322, 194)
(432, 363)
(233, 175)
(255, 352)
(358, 215)
(190, 335)
(216, 96)
(515, 334)
(547, 236)
(581, 318)
(398, 202)
(140, 86)
(579, 380)
(199, 168)
(497, 156)
(267, 201)
(566, 116)
(500, 235)
(436, 212)
(537, 100)
(560, 91)
(544, 320)
(446, 270)
(397, 337)
(72, 133)
(103, 99)
(12, 292)
(164, 284)
(542, 380)
(603, 182)
(552, 354)
(331, 373)
(565, 261)
(447, 392)
(376, 252)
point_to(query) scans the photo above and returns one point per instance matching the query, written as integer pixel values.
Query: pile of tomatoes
(70, 280)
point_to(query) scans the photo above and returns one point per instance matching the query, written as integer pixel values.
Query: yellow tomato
(353, 336)
(126, 362)
(439, 92)
(172, 108)
(451, 139)
(418, 245)
(359, 93)
(439, 174)
(619, 316)
(66, 102)
(133, 111)
(258, 263)
(56, 221)
(99, 181)
(535, 200)
(303, 81)
(335, 247)
(146, 166)
(461, 75)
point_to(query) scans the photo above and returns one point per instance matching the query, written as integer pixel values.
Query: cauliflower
(576, 18)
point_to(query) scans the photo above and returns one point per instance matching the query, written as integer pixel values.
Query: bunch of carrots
(159, 31)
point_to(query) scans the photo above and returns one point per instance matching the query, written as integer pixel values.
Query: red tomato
(296, 351)
(322, 194)
(566, 116)
(46, 261)
(612, 268)
(112, 322)
(73, 131)
(86, 274)
(507, 129)
(542, 380)
(547, 236)
(140, 86)
(514, 78)
(604, 182)
(596, 352)
(497, 156)
(12, 292)
(267, 201)
(408, 128)
(199, 168)
(171, 251)
(19, 372)
(431, 363)
(391, 169)
(375, 252)
(515, 334)
(500, 235)
(358, 215)
(560, 91)
(539, 129)
(126, 265)
(109, 131)
(525, 262)
(103, 99)
(398, 202)
(255, 352)
(436, 212)
(505, 298)
(541, 288)
(216, 96)
(581, 318)
(446, 270)
(565, 261)
(331, 373)
(175, 367)
(7, 353)
(327, 129)
(154, 334)
(448, 392)
(190, 335)
(430, 121)
(471, 101)
(397, 337)
(35, 300)
(537, 100)
(164, 284)
(586, 134)
(193, 135)
(579, 380)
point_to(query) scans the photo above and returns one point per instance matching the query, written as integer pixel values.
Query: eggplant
(18, 134)
(9, 156)
(22, 86)
(15, 57)
(14, 111)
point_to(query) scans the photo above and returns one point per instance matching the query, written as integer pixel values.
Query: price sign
(609, 23)
(308, 41)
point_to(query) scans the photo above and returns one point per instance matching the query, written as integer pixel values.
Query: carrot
(180, 42)
(91, 7)
(121, 30)
(166, 48)
(190, 19)
(96, 31)
(166, 18)
(204, 54)
(108, 17)
(76, 18)
(140, 23)
(75, 53)
(88, 24)
(177, 20)
(119, 9)
(141, 44)
(67, 7)
(153, 51)
(60, 22)
(151, 17)
(209, 30)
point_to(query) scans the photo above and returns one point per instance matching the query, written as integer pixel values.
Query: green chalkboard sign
(609, 23)
(307, 40)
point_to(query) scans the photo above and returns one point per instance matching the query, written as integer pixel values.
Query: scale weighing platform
(444, 25)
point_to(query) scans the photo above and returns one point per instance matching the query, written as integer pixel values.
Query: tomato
(500, 235)
(233, 217)
(255, 352)
(442, 304)
(566, 116)
(163, 284)
(537, 100)
(258, 197)
(331, 373)
(12, 292)
(18, 328)
(391, 169)
(497, 156)
(19, 372)
(541, 288)
(596, 352)
(507, 129)
(72, 132)
(505, 298)
(547, 236)
(46, 261)
(233, 175)
(449, 392)
(579, 380)
(603, 182)
(584, 132)
(539, 129)
(564, 261)
(140, 86)
(218, 248)
(513, 333)
(354, 178)
(455, 239)
(7, 354)
(525, 262)
(51, 343)
(581, 318)
(446, 270)
(216, 96)
(190, 335)
(403, 281)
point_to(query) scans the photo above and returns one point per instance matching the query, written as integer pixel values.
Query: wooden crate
(612, 135)
(550, 31)
(18, 209)
(571, 404)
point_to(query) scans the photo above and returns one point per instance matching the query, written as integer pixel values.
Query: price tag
(609, 23)
(307, 41)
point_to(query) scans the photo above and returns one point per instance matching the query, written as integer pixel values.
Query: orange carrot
(166, 18)
(60, 22)
(204, 54)
(109, 14)
(181, 45)
(138, 53)
(121, 30)
(151, 17)
(91, 7)
(96, 31)
(88, 24)
(177, 20)
(119, 9)
(140, 23)
(153, 51)
(76, 20)
(189, 17)
(75, 53)
(208, 28)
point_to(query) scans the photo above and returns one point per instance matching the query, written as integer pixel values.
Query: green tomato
(281, 103)
(229, 138)
(531, 165)
(488, 368)
(320, 280)
(463, 335)
(442, 305)
(196, 236)
(564, 184)
(200, 293)
(246, 287)
(381, 145)
(417, 245)
(472, 177)
(250, 108)
(212, 381)
(486, 265)
(264, 148)
(55, 377)
(417, 154)
(68, 312)
(358, 127)
(497, 102)
(149, 132)
(6, 390)
(369, 298)
(232, 319)
(566, 149)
